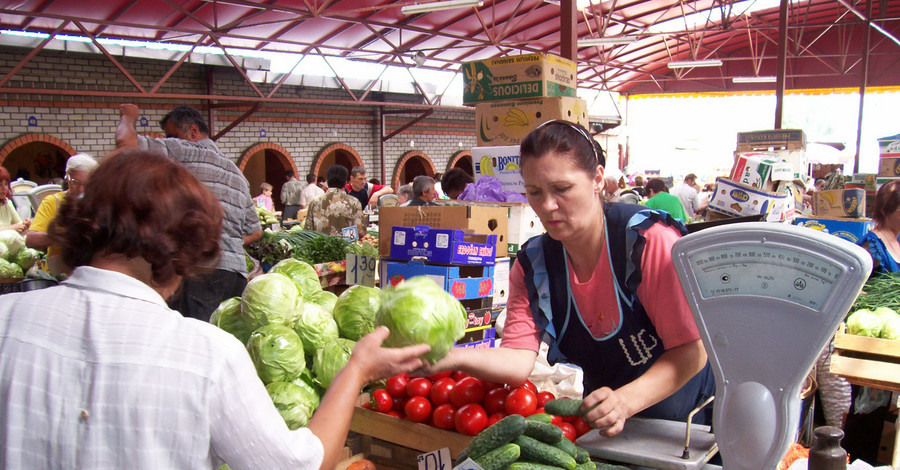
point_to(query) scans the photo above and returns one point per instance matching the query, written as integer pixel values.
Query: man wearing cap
(78, 169)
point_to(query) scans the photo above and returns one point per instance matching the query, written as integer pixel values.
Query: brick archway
(267, 162)
(411, 156)
(459, 160)
(31, 138)
(335, 153)
(283, 155)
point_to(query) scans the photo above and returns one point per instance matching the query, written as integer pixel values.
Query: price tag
(435, 460)
(467, 464)
(361, 270)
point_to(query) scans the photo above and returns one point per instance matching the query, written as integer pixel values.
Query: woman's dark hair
(140, 204)
(887, 200)
(563, 137)
(657, 185)
(455, 180)
(337, 176)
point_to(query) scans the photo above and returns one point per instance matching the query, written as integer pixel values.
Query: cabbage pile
(15, 259)
(882, 322)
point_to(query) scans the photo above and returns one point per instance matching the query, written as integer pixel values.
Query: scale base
(654, 443)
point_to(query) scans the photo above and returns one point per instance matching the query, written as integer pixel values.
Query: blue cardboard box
(851, 230)
(442, 245)
(463, 282)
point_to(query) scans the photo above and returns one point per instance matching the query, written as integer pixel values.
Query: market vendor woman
(600, 288)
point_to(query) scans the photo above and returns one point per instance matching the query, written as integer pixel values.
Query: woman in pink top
(600, 288)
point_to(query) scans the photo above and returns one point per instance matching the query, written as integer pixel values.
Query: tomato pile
(458, 402)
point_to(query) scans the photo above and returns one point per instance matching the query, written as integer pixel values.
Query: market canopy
(738, 39)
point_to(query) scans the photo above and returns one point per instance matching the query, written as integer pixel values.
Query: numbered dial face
(769, 271)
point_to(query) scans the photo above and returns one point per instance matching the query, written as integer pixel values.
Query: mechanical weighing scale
(767, 299)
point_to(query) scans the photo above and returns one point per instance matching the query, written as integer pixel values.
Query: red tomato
(568, 431)
(395, 414)
(368, 406)
(439, 375)
(495, 399)
(470, 419)
(530, 386)
(418, 387)
(418, 409)
(544, 397)
(493, 385)
(396, 385)
(467, 390)
(521, 401)
(399, 403)
(556, 420)
(458, 375)
(440, 391)
(444, 416)
(382, 401)
(581, 427)
(494, 417)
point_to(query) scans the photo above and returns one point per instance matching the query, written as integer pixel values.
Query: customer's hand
(376, 362)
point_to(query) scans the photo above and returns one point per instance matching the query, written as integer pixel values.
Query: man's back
(669, 203)
(333, 212)
(687, 194)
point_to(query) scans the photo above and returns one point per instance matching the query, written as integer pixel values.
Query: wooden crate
(872, 362)
(414, 436)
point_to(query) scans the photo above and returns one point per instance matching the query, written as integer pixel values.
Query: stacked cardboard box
(765, 179)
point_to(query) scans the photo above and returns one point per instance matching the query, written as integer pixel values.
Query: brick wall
(87, 122)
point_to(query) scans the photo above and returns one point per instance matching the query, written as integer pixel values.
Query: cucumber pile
(518, 443)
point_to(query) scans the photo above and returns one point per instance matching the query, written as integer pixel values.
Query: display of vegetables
(270, 298)
(308, 246)
(418, 310)
(883, 322)
(303, 275)
(265, 216)
(355, 310)
(15, 258)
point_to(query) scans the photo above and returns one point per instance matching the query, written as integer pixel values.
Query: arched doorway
(463, 161)
(36, 157)
(267, 162)
(336, 154)
(411, 164)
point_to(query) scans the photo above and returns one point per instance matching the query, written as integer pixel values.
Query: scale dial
(780, 272)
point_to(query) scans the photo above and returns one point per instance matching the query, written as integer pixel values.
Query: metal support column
(382, 127)
(568, 47)
(782, 61)
(863, 83)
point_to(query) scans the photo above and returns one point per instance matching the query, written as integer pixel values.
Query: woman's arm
(500, 365)
(666, 376)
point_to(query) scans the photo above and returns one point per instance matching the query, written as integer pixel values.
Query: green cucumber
(582, 455)
(542, 417)
(500, 433)
(499, 458)
(564, 407)
(565, 444)
(531, 466)
(586, 466)
(544, 432)
(533, 450)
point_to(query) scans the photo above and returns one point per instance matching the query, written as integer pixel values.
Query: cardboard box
(840, 203)
(524, 223)
(501, 163)
(753, 169)
(889, 166)
(480, 333)
(781, 165)
(481, 317)
(872, 362)
(463, 282)
(851, 230)
(739, 200)
(470, 218)
(507, 122)
(518, 76)
(787, 139)
(501, 281)
(889, 147)
(442, 245)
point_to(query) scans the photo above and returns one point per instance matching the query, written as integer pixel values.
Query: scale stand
(767, 298)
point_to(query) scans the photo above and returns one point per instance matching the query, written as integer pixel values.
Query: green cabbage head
(419, 311)
(13, 241)
(228, 317)
(303, 275)
(329, 360)
(316, 327)
(324, 299)
(890, 323)
(355, 311)
(270, 298)
(26, 258)
(295, 404)
(277, 353)
(10, 270)
(864, 322)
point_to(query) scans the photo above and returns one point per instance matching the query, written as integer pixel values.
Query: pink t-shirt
(659, 292)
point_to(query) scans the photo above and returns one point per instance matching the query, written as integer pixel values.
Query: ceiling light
(438, 6)
(757, 79)
(608, 40)
(695, 63)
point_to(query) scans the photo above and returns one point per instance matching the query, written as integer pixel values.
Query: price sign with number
(467, 464)
(435, 460)
(361, 270)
